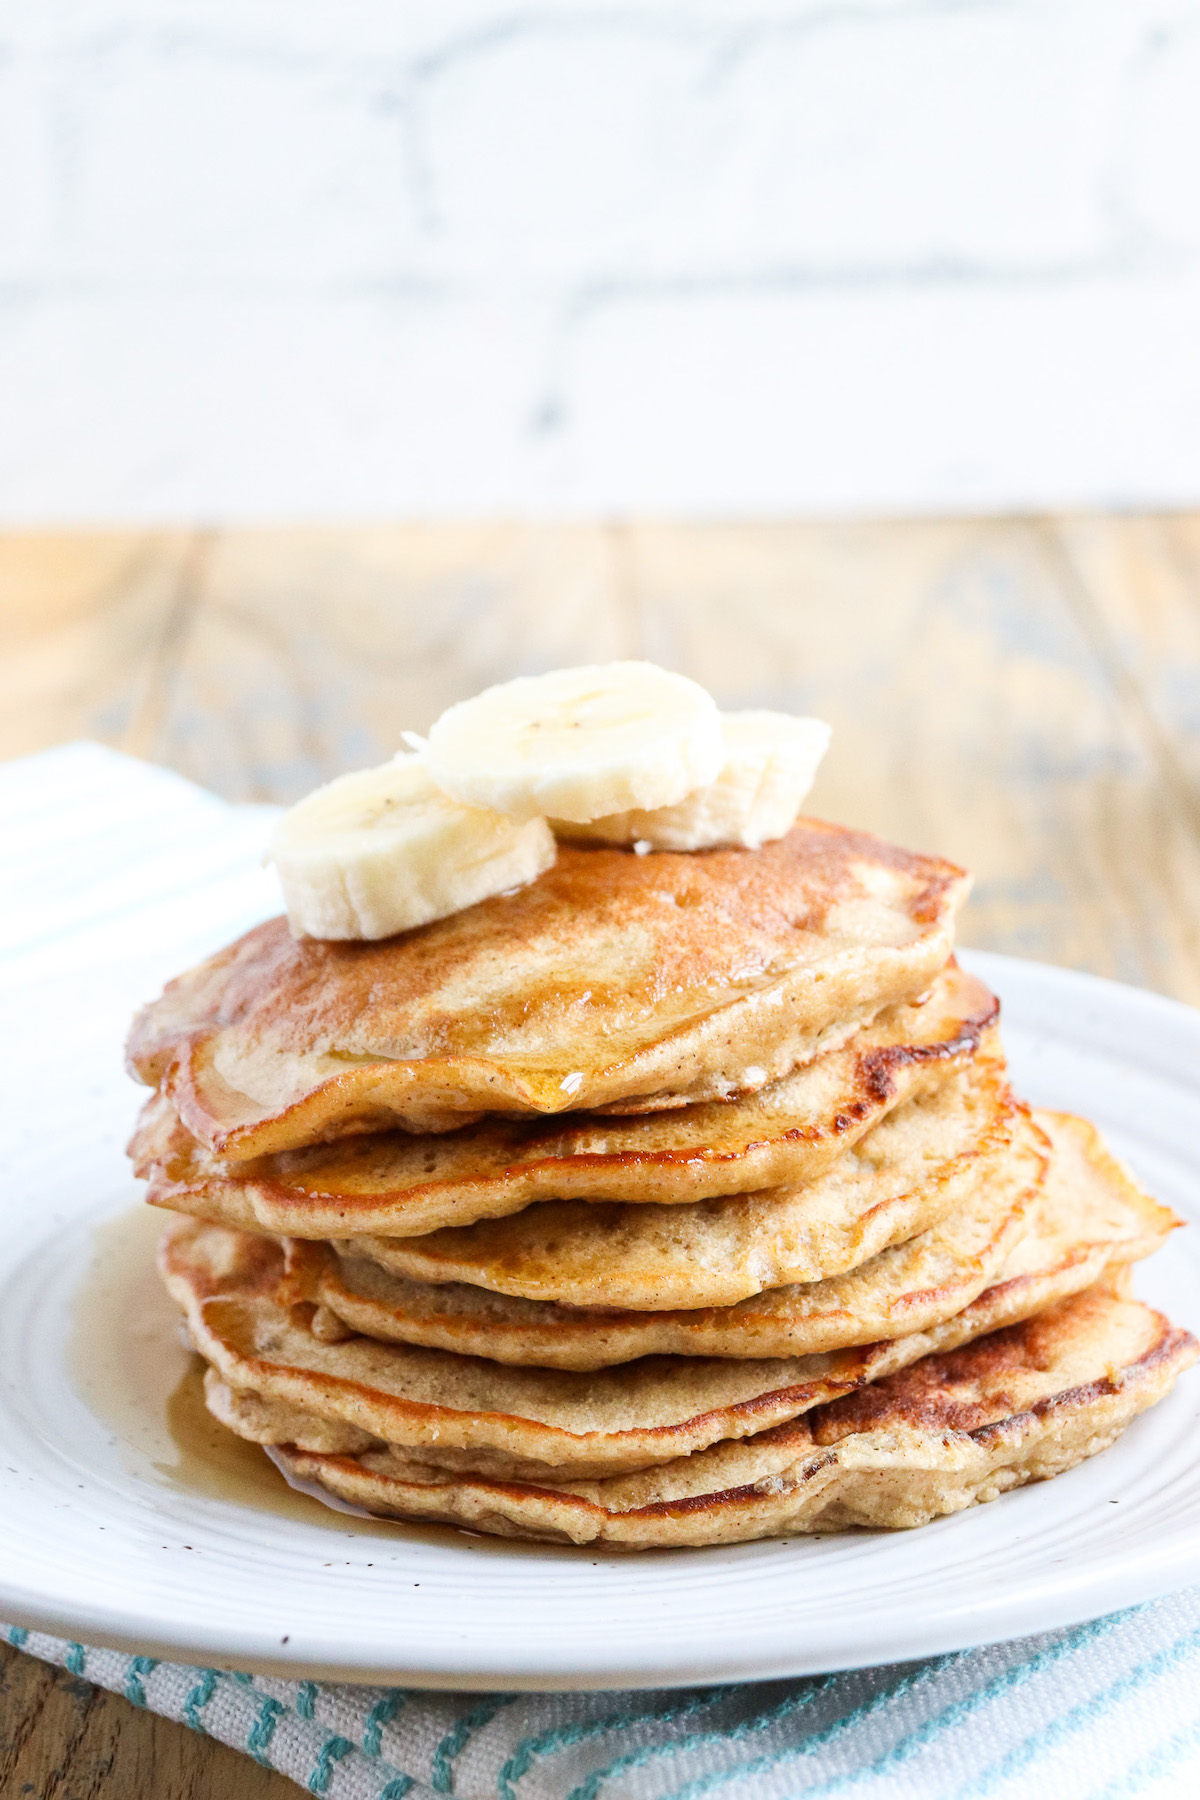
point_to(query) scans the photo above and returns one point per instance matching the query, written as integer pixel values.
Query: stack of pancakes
(673, 1199)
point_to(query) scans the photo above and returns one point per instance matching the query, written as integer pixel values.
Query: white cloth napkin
(118, 874)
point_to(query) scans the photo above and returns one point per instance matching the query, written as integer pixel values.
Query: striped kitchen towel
(1106, 1710)
(124, 874)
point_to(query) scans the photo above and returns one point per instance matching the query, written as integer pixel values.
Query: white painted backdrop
(282, 258)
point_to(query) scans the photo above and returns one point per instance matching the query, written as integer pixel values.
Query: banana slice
(384, 849)
(579, 743)
(770, 762)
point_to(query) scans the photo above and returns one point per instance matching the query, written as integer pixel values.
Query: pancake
(1087, 1215)
(289, 1385)
(449, 1408)
(612, 979)
(397, 1185)
(263, 1412)
(915, 1167)
(1021, 1404)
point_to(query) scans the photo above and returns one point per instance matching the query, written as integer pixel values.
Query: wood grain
(313, 650)
(1022, 695)
(1137, 585)
(88, 631)
(63, 1739)
(973, 712)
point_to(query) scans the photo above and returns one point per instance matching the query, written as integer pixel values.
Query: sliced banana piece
(579, 743)
(385, 849)
(770, 761)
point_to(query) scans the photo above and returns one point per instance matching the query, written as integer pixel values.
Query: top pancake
(613, 980)
(394, 1184)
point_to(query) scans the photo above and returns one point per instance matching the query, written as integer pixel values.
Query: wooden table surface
(1022, 695)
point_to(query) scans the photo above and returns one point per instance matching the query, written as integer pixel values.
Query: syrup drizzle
(128, 1361)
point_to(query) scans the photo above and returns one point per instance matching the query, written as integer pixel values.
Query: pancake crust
(1021, 1404)
(448, 1408)
(1087, 1215)
(918, 1164)
(613, 979)
(396, 1185)
(291, 1386)
(261, 1413)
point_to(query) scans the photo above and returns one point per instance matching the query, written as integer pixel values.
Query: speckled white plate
(106, 1536)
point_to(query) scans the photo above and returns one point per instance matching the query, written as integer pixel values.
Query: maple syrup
(130, 1363)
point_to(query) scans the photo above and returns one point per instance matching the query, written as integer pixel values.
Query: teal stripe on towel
(381, 1714)
(332, 1751)
(1083, 1714)
(701, 1740)
(566, 1737)
(1157, 1763)
(820, 1740)
(441, 1778)
(198, 1699)
(135, 1676)
(263, 1730)
(918, 1740)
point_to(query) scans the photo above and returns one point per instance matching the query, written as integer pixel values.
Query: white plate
(105, 1538)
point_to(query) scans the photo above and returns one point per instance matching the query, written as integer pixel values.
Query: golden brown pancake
(324, 1422)
(1021, 1404)
(1088, 1215)
(912, 1169)
(397, 1185)
(488, 1417)
(456, 1407)
(612, 979)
